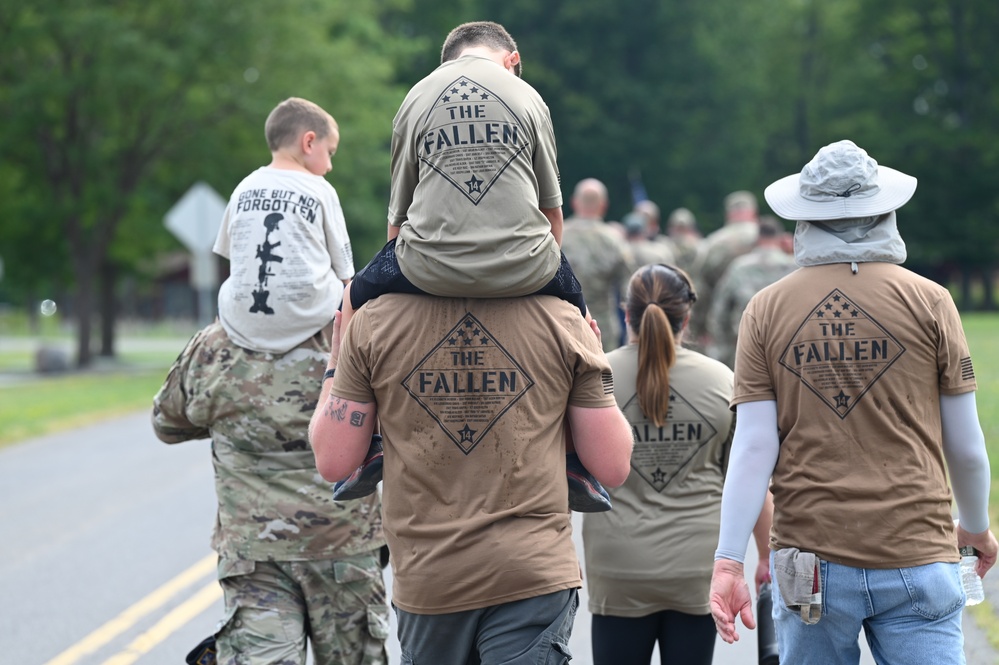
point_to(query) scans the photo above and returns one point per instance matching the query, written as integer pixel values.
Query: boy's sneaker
(365, 479)
(586, 494)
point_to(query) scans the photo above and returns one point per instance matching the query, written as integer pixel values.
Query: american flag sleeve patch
(967, 370)
(608, 380)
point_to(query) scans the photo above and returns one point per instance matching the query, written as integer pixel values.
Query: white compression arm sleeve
(754, 455)
(967, 459)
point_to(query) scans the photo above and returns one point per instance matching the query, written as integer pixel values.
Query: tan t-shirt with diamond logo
(473, 164)
(471, 400)
(857, 364)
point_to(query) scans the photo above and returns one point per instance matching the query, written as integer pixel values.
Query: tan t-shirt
(857, 363)
(473, 161)
(471, 398)
(654, 550)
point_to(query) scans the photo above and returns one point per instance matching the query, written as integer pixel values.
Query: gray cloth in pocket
(798, 574)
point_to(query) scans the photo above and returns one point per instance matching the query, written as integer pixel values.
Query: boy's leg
(381, 276)
(586, 494)
(346, 309)
(365, 479)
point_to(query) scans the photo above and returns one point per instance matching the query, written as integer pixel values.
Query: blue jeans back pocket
(935, 589)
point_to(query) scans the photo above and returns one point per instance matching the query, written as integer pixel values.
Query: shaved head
(589, 199)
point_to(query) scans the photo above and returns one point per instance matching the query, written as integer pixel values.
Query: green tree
(937, 60)
(672, 90)
(110, 106)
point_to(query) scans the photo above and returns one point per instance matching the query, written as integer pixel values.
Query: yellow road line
(169, 624)
(130, 616)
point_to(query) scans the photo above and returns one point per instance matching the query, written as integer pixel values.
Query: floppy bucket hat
(841, 182)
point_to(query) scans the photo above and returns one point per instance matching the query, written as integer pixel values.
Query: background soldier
(599, 256)
(292, 562)
(681, 227)
(746, 275)
(735, 238)
(645, 250)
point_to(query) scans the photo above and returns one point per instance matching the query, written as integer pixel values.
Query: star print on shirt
(474, 184)
(840, 351)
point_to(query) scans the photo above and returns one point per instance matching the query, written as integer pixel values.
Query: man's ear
(511, 61)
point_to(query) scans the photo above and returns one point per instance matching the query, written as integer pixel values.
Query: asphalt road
(104, 537)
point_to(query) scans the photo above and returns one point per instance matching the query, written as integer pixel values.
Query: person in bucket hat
(854, 396)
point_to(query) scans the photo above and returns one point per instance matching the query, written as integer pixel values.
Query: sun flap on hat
(873, 189)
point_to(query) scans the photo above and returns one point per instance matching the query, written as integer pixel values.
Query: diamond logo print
(840, 351)
(467, 382)
(660, 453)
(469, 137)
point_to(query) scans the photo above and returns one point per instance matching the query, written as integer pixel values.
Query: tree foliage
(111, 110)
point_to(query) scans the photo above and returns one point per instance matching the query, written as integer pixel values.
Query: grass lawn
(982, 331)
(32, 405)
(64, 402)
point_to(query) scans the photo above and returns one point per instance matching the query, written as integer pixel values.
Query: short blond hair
(294, 116)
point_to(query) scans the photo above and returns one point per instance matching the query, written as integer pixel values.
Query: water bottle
(766, 634)
(970, 581)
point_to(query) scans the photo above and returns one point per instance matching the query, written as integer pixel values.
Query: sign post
(195, 220)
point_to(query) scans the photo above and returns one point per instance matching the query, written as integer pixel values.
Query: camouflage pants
(272, 607)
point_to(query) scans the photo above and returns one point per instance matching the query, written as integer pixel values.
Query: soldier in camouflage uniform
(681, 227)
(292, 562)
(716, 252)
(745, 276)
(599, 256)
(644, 250)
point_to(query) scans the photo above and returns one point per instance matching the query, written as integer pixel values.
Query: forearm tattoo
(336, 409)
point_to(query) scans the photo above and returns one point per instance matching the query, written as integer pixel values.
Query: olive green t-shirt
(654, 550)
(473, 163)
(857, 364)
(471, 402)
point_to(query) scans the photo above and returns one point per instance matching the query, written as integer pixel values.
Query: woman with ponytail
(649, 560)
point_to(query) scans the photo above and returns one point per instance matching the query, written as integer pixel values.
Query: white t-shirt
(285, 237)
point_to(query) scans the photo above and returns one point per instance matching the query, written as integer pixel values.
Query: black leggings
(684, 639)
(383, 275)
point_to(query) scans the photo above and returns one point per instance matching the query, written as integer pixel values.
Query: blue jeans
(910, 616)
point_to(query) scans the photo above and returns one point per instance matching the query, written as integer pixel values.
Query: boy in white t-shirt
(285, 236)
